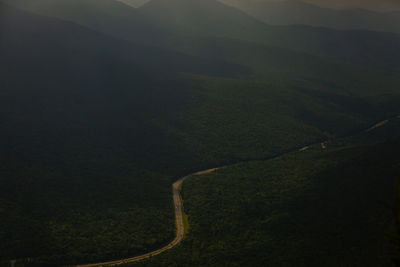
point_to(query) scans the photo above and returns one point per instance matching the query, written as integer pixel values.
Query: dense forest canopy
(103, 106)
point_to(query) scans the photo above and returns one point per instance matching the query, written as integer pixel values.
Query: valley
(179, 207)
(103, 106)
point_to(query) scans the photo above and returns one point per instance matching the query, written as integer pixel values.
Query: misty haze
(212, 133)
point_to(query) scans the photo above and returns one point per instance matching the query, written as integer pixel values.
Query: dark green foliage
(395, 235)
(321, 207)
(95, 129)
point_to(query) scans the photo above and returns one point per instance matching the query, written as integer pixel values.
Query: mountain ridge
(299, 12)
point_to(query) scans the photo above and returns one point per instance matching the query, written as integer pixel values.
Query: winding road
(180, 228)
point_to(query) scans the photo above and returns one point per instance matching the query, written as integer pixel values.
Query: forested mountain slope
(96, 127)
(214, 19)
(211, 18)
(330, 205)
(107, 16)
(166, 23)
(76, 111)
(298, 12)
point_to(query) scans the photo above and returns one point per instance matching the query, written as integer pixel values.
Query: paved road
(379, 124)
(180, 229)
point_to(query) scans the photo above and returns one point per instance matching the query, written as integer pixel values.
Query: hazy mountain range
(294, 12)
(103, 106)
(170, 24)
(374, 5)
(297, 12)
(134, 3)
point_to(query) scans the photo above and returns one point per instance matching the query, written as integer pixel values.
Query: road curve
(180, 229)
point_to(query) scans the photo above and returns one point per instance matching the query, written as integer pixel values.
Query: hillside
(97, 126)
(171, 23)
(189, 17)
(134, 3)
(320, 207)
(76, 115)
(210, 18)
(297, 12)
(108, 16)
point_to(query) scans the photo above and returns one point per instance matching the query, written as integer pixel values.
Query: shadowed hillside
(103, 106)
(166, 23)
(297, 12)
